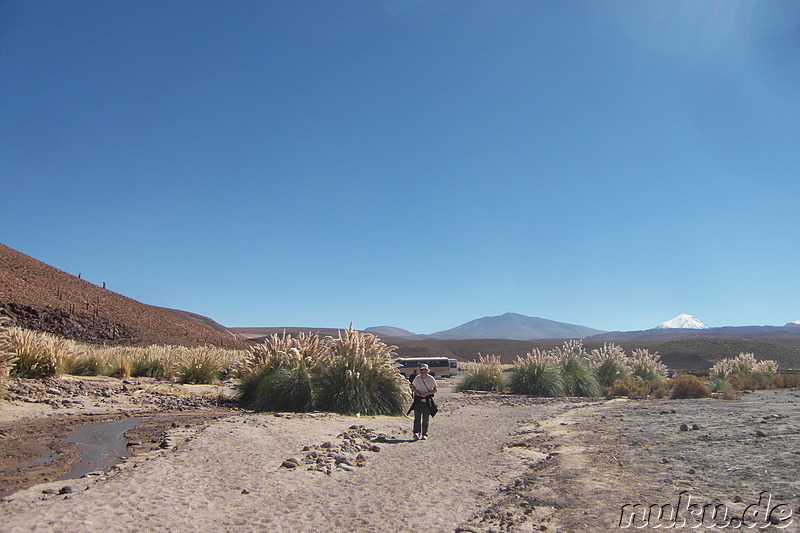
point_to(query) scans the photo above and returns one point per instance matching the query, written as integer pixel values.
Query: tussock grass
(538, 374)
(609, 363)
(485, 375)
(647, 366)
(742, 364)
(38, 355)
(7, 356)
(357, 376)
(350, 374)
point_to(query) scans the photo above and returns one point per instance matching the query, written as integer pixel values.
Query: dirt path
(230, 475)
(493, 463)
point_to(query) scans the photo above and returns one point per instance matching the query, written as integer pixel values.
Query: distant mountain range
(514, 326)
(508, 326)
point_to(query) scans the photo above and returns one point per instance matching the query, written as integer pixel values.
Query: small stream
(101, 445)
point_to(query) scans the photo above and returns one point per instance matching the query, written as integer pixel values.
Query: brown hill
(37, 296)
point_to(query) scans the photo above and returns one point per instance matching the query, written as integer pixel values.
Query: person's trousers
(422, 414)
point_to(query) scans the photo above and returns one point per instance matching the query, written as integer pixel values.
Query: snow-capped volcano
(682, 322)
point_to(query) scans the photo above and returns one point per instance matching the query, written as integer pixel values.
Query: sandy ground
(493, 463)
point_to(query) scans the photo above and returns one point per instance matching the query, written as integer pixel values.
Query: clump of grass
(745, 372)
(148, 367)
(743, 363)
(630, 386)
(610, 363)
(199, 365)
(38, 355)
(687, 386)
(579, 379)
(538, 374)
(283, 389)
(357, 376)
(486, 375)
(647, 366)
(7, 356)
(277, 354)
(84, 365)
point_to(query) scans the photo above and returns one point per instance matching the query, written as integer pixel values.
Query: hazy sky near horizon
(410, 163)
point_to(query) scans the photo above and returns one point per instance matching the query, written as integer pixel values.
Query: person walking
(424, 387)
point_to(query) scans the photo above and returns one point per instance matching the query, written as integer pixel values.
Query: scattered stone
(684, 427)
(327, 444)
(289, 464)
(760, 433)
(346, 467)
(464, 528)
(50, 491)
(691, 471)
(695, 427)
(245, 491)
(69, 489)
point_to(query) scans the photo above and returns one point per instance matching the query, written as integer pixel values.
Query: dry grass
(742, 363)
(486, 375)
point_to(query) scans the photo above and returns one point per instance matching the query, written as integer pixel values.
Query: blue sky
(410, 163)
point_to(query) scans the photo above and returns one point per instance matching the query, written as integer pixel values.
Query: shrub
(631, 386)
(729, 393)
(487, 375)
(609, 364)
(752, 380)
(537, 374)
(785, 381)
(357, 376)
(688, 386)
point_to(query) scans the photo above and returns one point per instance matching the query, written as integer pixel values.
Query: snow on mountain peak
(683, 321)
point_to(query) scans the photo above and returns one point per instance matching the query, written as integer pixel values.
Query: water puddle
(101, 445)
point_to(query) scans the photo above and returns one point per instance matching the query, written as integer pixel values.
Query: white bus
(437, 366)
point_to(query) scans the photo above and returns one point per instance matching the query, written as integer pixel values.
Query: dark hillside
(697, 355)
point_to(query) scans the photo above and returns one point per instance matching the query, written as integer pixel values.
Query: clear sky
(410, 163)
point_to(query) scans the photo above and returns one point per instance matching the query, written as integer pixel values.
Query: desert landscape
(102, 453)
(494, 462)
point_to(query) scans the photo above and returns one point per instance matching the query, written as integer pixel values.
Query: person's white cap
(423, 365)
